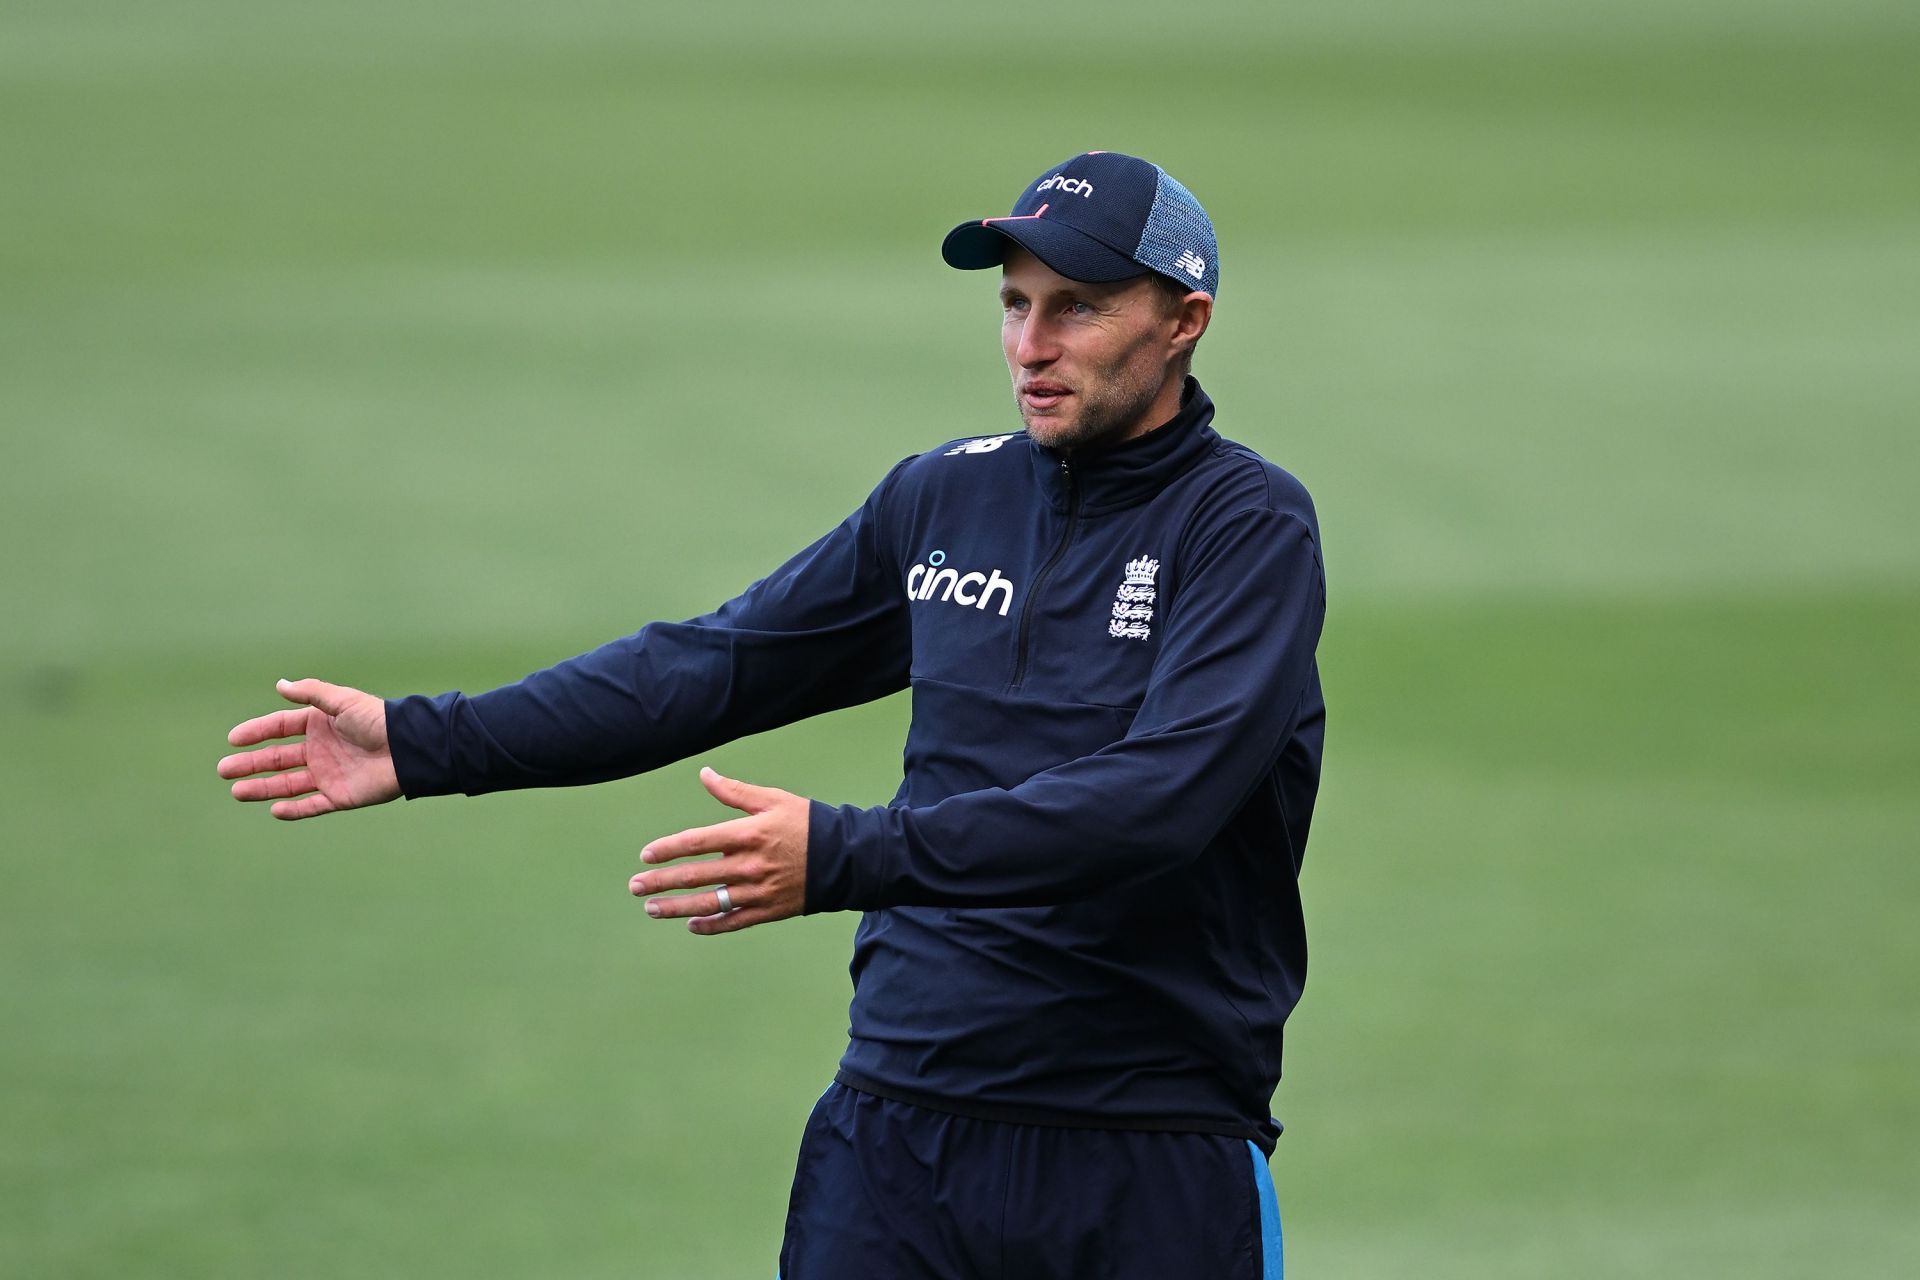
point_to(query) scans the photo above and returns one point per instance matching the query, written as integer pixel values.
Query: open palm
(339, 759)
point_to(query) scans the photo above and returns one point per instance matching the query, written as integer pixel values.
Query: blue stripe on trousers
(1272, 1260)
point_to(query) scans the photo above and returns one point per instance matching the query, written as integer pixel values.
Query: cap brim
(974, 246)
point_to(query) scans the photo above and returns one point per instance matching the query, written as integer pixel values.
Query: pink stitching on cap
(987, 222)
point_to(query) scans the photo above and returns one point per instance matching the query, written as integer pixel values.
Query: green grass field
(415, 347)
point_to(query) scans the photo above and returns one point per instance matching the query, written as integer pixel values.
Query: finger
(737, 794)
(287, 755)
(330, 698)
(699, 904)
(724, 837)
(732, 921)
(279, 786)
(305, 807)
(695, 875)
(278, 724)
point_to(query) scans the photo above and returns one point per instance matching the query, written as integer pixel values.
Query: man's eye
(1081, 308)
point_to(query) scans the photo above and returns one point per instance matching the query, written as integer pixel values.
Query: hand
(343, 763)
(763, 861)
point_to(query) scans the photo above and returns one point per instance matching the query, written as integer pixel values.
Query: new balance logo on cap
(1191, 263)
(1068, 186)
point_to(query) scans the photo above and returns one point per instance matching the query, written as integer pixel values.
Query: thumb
(330, 698)
(736, 794)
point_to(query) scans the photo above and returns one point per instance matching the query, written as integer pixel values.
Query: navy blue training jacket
(1082, 906)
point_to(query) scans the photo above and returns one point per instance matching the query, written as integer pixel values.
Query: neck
(1165, 407)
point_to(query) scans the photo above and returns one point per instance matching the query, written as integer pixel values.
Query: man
(1082, 928)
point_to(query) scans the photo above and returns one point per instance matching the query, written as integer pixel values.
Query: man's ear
(1195, 313)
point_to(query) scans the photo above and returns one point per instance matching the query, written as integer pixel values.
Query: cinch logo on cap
(1070, 186)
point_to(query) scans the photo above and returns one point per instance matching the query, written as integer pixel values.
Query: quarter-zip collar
(1129, 473)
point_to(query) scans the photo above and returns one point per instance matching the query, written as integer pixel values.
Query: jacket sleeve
(1224, 697)
(827, 629)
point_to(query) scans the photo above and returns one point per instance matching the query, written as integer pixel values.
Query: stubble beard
(1101, 418)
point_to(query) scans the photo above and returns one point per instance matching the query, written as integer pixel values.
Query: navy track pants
(887, 1190)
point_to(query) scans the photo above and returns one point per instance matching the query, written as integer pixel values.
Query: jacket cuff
(844, 859)
(418, 737)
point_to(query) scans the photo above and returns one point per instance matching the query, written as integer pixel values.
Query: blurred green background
(415, 346)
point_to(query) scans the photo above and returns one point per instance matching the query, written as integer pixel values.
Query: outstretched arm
(827, 629)
(340, 759)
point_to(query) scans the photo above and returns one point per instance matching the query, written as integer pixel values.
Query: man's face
(1091, 363)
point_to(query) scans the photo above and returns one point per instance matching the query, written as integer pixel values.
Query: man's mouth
(1043, 395)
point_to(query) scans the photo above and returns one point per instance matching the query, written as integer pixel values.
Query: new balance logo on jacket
(985, 444)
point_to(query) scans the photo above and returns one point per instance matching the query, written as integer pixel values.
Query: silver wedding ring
(726, 899)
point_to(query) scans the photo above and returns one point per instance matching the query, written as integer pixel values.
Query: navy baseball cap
(1098, 217)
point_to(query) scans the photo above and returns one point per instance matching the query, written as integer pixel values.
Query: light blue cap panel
(1178, 238)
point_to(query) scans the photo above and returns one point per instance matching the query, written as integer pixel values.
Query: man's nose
(1036, 346)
